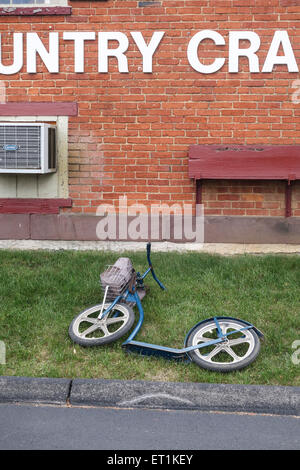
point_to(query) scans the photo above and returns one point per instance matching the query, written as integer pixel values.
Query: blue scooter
(220, 343)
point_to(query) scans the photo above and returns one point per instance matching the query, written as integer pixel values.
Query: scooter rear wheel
(236, 352)
(87, 330)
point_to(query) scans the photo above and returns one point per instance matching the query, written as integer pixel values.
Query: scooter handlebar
(151, 267)
(148, 253)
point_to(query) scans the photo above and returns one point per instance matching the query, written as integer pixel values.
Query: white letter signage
(280, 38)
(35, 46)
(17, 55)
(114, 44)
(192, 51)
(235, 51)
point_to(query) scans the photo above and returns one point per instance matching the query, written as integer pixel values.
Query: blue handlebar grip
(148, 253)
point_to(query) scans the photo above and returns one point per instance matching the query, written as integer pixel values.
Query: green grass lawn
(41, 292)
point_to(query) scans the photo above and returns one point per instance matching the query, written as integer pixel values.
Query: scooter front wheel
(238, 350)
(87, 330)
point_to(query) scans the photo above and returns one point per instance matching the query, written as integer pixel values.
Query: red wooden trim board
(33, 206)
(39, 109)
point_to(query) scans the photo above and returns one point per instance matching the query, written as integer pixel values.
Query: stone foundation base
(253, 230)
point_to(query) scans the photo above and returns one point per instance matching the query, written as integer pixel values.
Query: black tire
(222, 357)
(117, 323)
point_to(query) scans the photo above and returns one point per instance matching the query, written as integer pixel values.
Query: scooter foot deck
(146, 349)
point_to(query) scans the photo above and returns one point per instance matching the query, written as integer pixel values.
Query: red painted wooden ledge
(33, 206)
(37, 10)
(39, 108)
(256, 162)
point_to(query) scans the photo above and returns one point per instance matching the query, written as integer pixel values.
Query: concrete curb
(188, 396)
(34, 390)
(156, 395)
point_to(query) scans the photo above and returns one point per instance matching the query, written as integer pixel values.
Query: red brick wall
(132, 132)
(263, 198)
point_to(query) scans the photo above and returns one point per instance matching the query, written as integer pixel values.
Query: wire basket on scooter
(117, 277)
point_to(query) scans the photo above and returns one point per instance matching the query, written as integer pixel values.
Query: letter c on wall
(192, 51)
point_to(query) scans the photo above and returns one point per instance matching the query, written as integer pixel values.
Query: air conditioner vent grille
(20, 147)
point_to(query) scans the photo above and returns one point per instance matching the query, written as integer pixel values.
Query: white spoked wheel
(87, 330)
(237, 351)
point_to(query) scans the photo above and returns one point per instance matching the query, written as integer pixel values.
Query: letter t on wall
(79, 39)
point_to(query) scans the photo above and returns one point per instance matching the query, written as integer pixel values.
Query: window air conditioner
(27, 148)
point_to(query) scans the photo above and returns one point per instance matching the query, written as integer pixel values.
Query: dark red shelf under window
(33, 205)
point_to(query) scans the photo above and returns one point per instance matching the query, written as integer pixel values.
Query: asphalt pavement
(118, 433)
